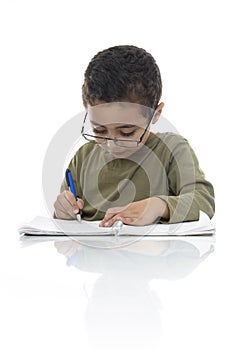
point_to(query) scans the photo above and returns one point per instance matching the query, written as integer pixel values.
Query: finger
(71, 199)
(111, 213)
(106, 219)
(125, 220)
(66, 206)
(67, 212)
(130, 221)
(63, 215)
(115, 218)
(59, 208)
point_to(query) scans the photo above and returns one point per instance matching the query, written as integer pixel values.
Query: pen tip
(79, 218)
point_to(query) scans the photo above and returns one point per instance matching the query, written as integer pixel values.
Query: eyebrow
(125, 126)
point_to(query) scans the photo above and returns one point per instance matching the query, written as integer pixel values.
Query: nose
(111, 144)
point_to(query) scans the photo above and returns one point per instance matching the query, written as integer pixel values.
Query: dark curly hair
(122, 74)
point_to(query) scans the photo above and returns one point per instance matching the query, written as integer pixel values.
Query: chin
(120, 153)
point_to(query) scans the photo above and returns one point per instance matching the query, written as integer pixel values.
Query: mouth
(118, 153)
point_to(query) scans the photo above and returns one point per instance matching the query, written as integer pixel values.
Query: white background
(45, 48)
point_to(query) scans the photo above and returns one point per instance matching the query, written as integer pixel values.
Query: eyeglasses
(125, 142)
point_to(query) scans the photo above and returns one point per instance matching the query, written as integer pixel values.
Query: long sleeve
(189, 191)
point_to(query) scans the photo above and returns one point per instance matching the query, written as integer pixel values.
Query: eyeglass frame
(115, 139)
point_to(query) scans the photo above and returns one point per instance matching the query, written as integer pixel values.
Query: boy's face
(118, 127)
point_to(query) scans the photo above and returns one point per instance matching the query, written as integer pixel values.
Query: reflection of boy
(157, 180)
(121, 306)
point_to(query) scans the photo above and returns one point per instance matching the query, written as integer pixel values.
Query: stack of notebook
(42, 226)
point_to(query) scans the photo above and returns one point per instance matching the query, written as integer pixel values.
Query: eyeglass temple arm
(82, 129)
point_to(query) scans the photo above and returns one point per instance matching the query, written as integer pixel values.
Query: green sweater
(165, 167)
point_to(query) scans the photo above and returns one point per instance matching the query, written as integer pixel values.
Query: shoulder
(83, 152)
(168, 140)
(169, 146)
(171, 138)
(86, 149)
(176, 147)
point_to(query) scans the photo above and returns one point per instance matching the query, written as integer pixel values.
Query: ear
(158, 112)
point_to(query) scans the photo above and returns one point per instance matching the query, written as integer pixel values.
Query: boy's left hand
(138, 213)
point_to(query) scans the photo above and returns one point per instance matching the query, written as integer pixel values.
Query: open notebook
(42, 226)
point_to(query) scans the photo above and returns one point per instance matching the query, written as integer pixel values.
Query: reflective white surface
(156, 293)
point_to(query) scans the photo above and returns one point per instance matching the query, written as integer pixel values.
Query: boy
(125, 172)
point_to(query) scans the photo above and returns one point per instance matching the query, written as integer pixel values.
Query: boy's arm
(190, 191)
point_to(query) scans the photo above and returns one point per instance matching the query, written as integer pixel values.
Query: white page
(40, 225)
(48, 226)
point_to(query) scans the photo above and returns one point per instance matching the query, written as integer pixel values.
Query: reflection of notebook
(42, 226)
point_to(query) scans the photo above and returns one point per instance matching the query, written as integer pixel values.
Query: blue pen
(71, 186)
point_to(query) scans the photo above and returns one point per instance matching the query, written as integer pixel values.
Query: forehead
(119, 113)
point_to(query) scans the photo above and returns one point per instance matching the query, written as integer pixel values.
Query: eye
(127, 134)
(99, 131)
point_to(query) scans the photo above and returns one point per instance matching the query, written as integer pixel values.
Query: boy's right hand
(66, 206)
